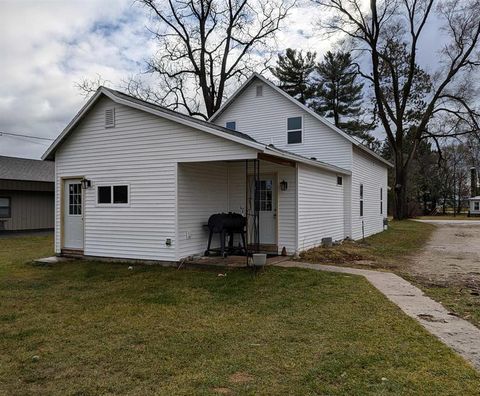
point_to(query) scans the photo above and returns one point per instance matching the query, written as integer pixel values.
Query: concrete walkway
(453, 222)
(457, 333)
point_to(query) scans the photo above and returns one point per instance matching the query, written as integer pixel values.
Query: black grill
(226, 224)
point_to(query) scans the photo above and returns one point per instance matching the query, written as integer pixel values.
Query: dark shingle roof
(12, 168)
(154, 106)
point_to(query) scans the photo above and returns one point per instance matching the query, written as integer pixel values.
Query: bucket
(259, 259)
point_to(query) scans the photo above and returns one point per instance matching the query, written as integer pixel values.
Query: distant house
(26, 194)
(474, 209)
(139, 181)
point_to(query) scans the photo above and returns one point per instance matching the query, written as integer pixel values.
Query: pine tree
(294, 70)
(339, 95)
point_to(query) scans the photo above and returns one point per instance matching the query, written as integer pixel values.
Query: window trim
(229, 121)
(294, 130)
(9, 216)
(477, 204)
(112, 204)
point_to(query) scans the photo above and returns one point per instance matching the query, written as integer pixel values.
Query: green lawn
(100, 328)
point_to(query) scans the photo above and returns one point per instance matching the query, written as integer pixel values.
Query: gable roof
(14, 168)
(205, 126)
(324, 121)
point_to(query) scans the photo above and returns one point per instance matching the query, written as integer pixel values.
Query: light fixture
(86, 183)
(283, 185)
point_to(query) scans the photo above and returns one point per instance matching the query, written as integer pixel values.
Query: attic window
(259, 90)
(110, 118)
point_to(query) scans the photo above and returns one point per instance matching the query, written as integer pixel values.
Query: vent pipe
(473, 181)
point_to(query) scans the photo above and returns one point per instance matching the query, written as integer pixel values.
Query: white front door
(72, 214)
(267, 205)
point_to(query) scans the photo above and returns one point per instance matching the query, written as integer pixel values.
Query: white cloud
(48, 46)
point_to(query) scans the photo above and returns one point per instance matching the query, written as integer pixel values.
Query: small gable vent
(259, 90)
(109, 118)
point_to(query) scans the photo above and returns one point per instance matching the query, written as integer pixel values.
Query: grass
(388, 249)
(391, 250)
(85, 328)
(459, 299)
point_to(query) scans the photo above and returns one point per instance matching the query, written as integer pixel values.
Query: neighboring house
(26, 194)
(136, 180)
(474, 209)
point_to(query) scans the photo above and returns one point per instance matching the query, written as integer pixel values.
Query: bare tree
(407, 99)
(205, 44)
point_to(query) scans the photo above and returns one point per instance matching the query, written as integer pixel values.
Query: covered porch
(263, 190)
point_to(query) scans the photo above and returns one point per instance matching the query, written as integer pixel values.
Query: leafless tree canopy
(408, 98)
(205, 44)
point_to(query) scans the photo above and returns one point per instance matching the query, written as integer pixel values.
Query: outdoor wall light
(86, 184)
(283, 185)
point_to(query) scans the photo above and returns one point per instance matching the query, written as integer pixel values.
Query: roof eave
(49, 153)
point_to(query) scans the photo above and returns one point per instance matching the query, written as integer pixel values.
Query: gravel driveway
(452, 256)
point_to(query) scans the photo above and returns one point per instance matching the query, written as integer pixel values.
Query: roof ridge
(310, 111)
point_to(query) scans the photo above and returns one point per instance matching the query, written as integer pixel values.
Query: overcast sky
(48, 46)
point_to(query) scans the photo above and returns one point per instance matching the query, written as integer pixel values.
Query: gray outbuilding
(26, 194)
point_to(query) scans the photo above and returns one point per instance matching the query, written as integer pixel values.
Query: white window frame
(294, 130)
(476, 205)
(111, 204)
(235, 121)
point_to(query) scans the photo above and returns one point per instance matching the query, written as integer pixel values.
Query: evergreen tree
(339, 95)
(294, 70)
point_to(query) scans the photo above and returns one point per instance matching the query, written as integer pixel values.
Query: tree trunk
(400, 202)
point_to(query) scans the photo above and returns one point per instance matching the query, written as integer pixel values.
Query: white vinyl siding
(142, 151)
(373, 175)
(320, 207)
(265, 118)
(202, 191)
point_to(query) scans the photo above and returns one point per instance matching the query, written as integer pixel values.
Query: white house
(474, 209)
(137, 181)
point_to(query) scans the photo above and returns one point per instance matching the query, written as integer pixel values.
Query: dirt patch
(240, 378)
(347, 252)
(451, 257)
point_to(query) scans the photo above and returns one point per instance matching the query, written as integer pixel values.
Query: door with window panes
(267, 208)
(73, 214)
